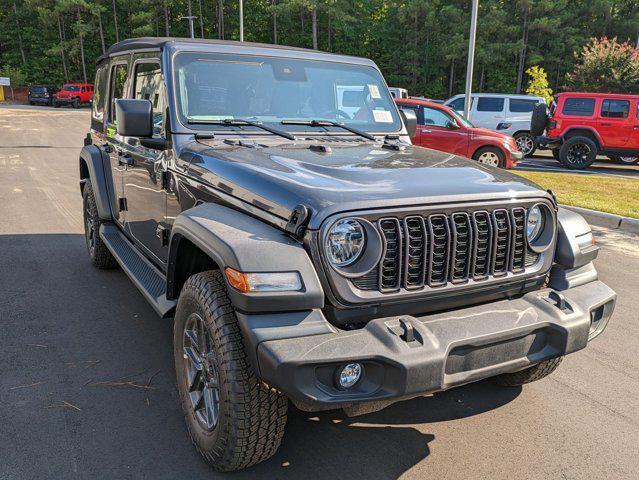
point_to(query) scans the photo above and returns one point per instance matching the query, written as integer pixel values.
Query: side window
(458, 104)
(582, 107)
(517, 105)
(148, 86)
(418, 112)
(83, 90)
(98, 99)
(436, 118)
(118, 80)
(490, 104)
(615, 108)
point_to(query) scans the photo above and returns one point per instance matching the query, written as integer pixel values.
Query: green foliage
(538, 83)
(16, 76)
(418, 44)
(605, 65)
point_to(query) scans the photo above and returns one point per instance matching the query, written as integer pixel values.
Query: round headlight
(345, 242)
(535, 223)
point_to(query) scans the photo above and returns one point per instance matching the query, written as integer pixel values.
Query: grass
(597, 192)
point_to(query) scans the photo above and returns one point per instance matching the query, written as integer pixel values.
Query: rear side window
(489, 104)
(582, 107)
(97, 108)
(119, 75)
(615, 108)
(517, 105)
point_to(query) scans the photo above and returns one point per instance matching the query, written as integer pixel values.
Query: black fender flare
(233, 239)
(92, 166)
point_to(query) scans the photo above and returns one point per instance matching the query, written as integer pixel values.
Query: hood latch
(298, 220)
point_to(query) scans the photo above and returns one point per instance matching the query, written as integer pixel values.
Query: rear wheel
(578, 153)
(234, 419)
(530, 374)
(492, 156)
(526, 143)
(624, 159)
(100, 255)
(75, 103)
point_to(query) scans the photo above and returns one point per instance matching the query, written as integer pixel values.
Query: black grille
(438, 249)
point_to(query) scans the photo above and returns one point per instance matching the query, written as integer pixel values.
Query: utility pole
(190, 18)
(471, 58)
(241, 21)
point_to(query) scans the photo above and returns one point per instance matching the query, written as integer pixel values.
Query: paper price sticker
(382, 116)
(374, 91)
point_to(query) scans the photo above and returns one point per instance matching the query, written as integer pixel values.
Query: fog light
(349, 375)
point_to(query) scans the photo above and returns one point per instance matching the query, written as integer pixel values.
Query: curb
(608, 220)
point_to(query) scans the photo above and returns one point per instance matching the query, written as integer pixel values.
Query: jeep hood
(348, 177)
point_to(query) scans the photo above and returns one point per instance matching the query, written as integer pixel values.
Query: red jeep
(582, 125)
(74, 94)
(441, 128)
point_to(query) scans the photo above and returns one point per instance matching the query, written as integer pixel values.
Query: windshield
(464, 120)
(214, 87)
(39, 89)
(71, 88)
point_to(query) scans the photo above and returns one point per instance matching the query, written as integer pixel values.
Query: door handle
(636, 127)
(425, 130)
(606, 124)
(125, 159)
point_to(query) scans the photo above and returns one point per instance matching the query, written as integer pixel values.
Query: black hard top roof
(158, 43)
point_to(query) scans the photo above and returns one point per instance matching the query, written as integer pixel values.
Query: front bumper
(514, 158)
(63, 101)
(446, 350)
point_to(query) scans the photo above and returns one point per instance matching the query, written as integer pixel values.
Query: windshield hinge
(392, 142)
(298, 220)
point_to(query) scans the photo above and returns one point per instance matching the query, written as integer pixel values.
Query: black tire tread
(530, 374)
(254, 414)
(539, 120)
(563, 152)
(102, 258)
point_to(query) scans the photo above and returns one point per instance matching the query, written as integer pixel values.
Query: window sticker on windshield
(374, 91)
(382, 116)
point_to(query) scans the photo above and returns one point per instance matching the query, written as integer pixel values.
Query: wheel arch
(212, 236)
(583, 132)
(523, 131)
(91, 166)
(487, 146)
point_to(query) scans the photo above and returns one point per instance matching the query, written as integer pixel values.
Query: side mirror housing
(134, 118)
(410, 121)
(453, 125)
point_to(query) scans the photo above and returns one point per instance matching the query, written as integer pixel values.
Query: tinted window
(98, 99)
(489, 104)
(583, 107)
(148, 86)
(458, 104)
(71, 88)
(436, 118)
(521, 106)
(615, 108)
(116, 90)
(39, 89)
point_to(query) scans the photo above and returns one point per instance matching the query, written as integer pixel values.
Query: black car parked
(42, 94)
(268, 199)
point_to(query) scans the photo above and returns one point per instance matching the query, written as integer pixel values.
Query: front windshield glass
(71, 88)
(464, 120)
(217, 87)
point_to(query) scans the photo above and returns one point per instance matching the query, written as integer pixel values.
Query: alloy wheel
(489, 158)
(202, 373)
(525, 144)
(89, 230)
(628, 160)
(578, 154)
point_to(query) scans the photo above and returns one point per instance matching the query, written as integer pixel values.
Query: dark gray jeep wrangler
(269, 200)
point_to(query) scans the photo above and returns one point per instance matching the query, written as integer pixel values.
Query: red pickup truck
(441, 128)
(74, 94)
(582, 125)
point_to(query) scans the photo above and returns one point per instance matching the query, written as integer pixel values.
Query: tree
(538, 83)
(605, 65)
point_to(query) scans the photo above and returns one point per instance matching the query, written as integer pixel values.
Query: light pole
(471, 58)
(241, 21)
(190, 18)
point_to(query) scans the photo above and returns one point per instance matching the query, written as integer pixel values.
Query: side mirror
(453, 125)
(134, 118)
(410, 121)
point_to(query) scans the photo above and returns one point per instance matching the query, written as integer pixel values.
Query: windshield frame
(180, 126)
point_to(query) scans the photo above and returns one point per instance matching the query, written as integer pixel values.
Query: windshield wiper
(240, 121)
(328, 123)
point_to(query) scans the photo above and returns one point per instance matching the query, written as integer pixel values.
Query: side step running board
(149, 280)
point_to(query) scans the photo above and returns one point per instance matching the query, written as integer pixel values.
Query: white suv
(509, 114)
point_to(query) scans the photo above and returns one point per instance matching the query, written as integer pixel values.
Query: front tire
(75, 103)
(233, 418)
(578, 153)
(492, 156)
(530, 374)
(526, 143)
(99, 254)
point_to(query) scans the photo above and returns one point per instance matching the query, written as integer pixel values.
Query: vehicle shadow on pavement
(88, 386)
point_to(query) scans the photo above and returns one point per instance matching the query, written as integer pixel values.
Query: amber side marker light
(264, 282)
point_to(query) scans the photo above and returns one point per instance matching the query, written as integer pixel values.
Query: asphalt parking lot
(542, 161)
(87, 385)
